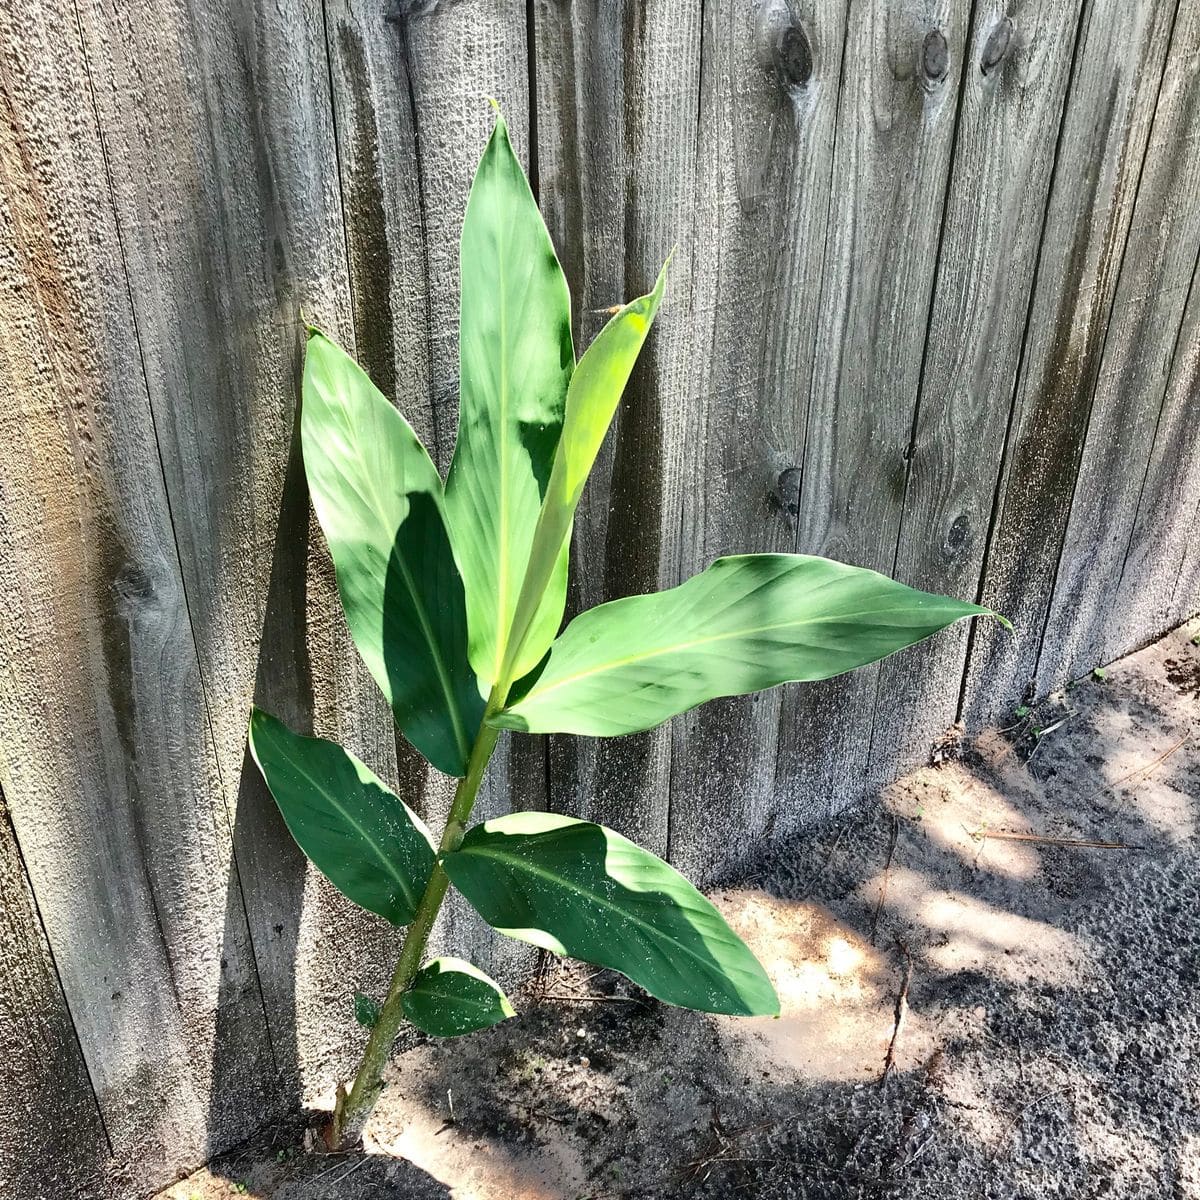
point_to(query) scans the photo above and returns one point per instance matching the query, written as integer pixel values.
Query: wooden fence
(933, 310)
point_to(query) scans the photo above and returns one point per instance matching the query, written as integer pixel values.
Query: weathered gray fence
(933, 310)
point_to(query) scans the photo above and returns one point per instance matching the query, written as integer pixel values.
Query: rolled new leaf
(450, 997)
(592, 399)
(748, 622)
(515, 360)
(579, 889)
(378, 497)
(362, 837)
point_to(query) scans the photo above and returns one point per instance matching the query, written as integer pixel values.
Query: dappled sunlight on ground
(835, 989)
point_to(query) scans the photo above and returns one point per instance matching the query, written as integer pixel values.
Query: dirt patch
(1040, 894)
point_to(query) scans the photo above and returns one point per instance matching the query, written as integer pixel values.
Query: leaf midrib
(389, 868)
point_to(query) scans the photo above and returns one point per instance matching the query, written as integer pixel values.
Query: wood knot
(935, 56)
(786, 495)
(956, 535)
(793, 57)
(134, 587)
(996, 46)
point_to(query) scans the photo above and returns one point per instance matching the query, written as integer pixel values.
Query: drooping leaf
(515, 360)
(357, 832)
(746, 623)
(579, 889)
(366, 1010)
(379, 500)
(596, 389)
(450, 997)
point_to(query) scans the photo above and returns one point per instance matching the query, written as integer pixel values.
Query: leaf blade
(378, 498)
(515, 360)
(577, 888)
(746, 623)
(362, 837)
(595, 391)
(450, 997)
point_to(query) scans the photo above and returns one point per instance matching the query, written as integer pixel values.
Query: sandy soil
(1016, 930)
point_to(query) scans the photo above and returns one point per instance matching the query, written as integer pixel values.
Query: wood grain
(1004, 155)
(106, 759)
(895, 133)
(1113, 92)
(45, 1093)
(1139, 349)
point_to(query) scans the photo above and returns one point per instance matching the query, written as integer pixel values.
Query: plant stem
(354, 1106)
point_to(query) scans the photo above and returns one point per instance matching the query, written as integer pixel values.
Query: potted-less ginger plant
(454, 596)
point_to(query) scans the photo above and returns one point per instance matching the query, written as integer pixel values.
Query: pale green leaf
(379, 500)
(450, 997)
(596, 389)
(748, 622)
(515, 361)
(579, 889)
(357, 832)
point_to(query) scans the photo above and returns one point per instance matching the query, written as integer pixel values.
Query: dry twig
(889, 1063)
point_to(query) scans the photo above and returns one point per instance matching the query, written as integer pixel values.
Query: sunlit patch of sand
(836, 993)
(959, 808)
(977, 936)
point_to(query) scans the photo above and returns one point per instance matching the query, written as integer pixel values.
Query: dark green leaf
(749, 622)
(366, 1010)
(516, 359)
(579, 889)
(360, 835)
(379, 501)
(450, 997)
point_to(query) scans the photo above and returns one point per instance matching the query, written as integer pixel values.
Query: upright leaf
(579, 889)
(450, 997)
(515, 360)
(379, 500)
(748, 622)
(356, 831)
(596, 389)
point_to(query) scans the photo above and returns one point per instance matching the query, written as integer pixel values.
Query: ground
(1015, 930)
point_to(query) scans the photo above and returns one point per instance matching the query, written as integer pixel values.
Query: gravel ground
(990, 983)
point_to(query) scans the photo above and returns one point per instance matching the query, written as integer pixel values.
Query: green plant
(454, 596)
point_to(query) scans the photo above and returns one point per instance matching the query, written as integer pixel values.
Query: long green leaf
(357, 832)
(592, 399)
(579, 889)
(515, 360)
(450, 997)
(748, 622)
(379, 500)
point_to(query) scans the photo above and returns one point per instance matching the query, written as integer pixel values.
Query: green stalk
(354, 1106)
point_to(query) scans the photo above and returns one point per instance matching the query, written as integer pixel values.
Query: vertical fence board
(107, 761)
(896, 124)
(640, 190)
(1113, 92)
(1004, 154)
(1142, 339)
(57, 1145)
(1159, 585)
(218, 127)
(769, 102)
